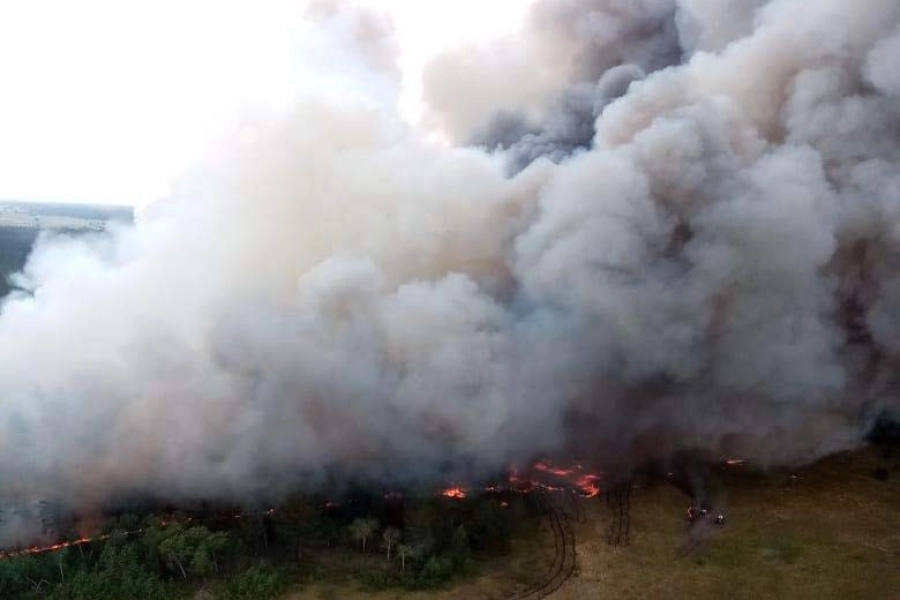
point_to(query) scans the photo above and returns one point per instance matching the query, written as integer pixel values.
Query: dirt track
(563, 564)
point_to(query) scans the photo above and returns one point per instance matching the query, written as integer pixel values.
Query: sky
(107, 100)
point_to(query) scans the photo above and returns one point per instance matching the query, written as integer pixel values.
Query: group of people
(701, 513)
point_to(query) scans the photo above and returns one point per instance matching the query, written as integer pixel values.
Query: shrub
(256, 583)
(436, 571)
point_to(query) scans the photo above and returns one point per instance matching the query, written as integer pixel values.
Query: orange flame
(588, 485)
(575, 477)
(454, 492)
(87, 540)
(51, 548)
(542, 466)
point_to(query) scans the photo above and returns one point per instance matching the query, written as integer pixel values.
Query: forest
(383, 540)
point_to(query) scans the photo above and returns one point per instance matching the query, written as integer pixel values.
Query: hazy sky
(106, 100)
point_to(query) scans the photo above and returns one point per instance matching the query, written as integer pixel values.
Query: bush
(380, 580)
(105, 585)
(256, 583)
(119, 572)
(436, 571)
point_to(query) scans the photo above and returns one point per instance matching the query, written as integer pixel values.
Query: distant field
(77, 211)
(22, 222)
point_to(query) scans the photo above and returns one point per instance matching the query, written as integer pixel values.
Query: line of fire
(571, 482)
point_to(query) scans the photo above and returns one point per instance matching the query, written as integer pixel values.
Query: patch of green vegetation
(412, 544)
(259, 582)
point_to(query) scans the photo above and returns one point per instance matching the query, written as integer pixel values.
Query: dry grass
(831, 532)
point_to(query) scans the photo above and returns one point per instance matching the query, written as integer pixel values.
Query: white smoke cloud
(716, 268)
(881, 65)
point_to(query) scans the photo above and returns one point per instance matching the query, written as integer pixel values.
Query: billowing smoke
(601, 46)
(568, 128)
(717, 267)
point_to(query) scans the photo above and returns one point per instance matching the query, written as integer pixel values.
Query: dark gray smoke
(567, 128)
(611, 44)
(718, 268)
(597, 47)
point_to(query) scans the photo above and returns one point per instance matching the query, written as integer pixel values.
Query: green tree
(21, 575)
(459, 546)
(388, 539)
(120, 572)
(421, 522)
(437, 569)
(193, 550)
(362, 529)
(407, 551)
(259, 582)
(298, 520)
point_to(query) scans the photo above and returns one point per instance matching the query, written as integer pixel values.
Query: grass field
(829, 530)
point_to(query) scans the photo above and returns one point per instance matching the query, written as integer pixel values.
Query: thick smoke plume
(700, 248)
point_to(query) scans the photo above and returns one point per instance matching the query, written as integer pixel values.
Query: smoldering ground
(715, 267)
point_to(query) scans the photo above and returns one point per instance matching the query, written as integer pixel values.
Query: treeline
(382, 542)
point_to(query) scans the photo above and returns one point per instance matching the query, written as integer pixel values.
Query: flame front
(454, 492)
(51, 548)
(588, 484)
(575, 477)
(546, 476)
